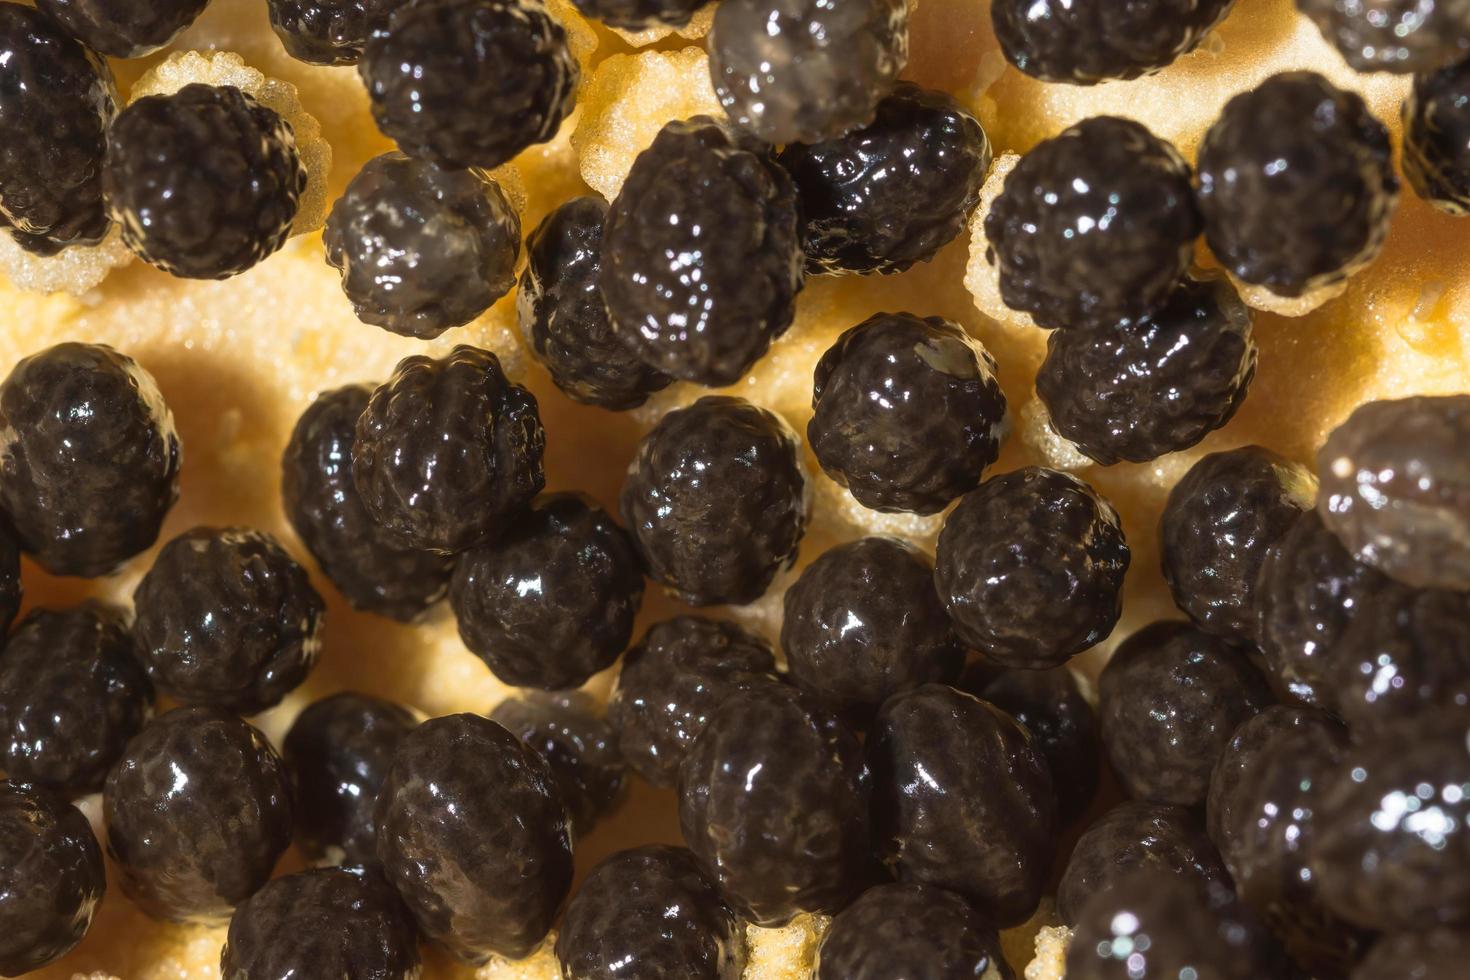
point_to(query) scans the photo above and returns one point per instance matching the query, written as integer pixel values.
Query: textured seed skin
(1082, 43)
(1130, 189)
(421, 248)
(564, 318)
(71, 695)
(328, 32)
(908, 929)
(1324, 215)
(1217, 526)
(473, 834)
(1393, 851)
(799, 71)
(226, 617)
(90, 460)
(673, 681)
(11, 588)
(716, 500)
(894, 191)
(863, 622)
(705, 222)
(123, 30)
(552, 601)
(635, 15)
(469, 83)
(1264, 807)
(1396, 488)
(1436, 148)
(198, 809)
(367, 564)
(962, 799)
(447, 450)
(1030, 566)
(1154, 385)
(773, 801)
(579, 745)
(204, 183)
(57, 99)
(1400, 36)
(1438, 952)
(1051, 706)
(1132, 835)
(907, 412)
(650, 912)
(325, 922)
(338, 751)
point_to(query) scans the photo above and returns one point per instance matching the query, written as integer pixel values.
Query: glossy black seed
(473, 834)
(564, 318)
(910, 929)
(582, 749)
(1030, 567)
(469, 83)
(448, 450)
(1436, 149)
(1265, 804)
(1141, 388)
(962, 799)
(672, 682)
(1393, 849)
(635, 15)
(326, 922)
(198, 809)
(863, 621)
(328, 32)
(552, 601)
(1217, 526)
(773, 801)
(893, 192)
(367, 564)
(421, 248)
(1396, 488)
(1439, 952)
(1093, 226)
(226, 617)
(794, 71)
(650, 912)
(1131, 835)
(1051, 705)
(338, 751)
(90, 458)
(51, 877)
(57, 100)
(10, 581)
(1083, 42)
(1393, 35)
(72, 693)
(1296, 184)
(123, 30)
(907, 412)
(716, 500)
(702, 253)
(205, 183)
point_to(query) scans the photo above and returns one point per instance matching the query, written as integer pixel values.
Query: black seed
(1436, 150)
(635, 15)
(1093, 226)
(1217, 526)
(473, 834)
(909, 929)
(1296, 184)
(124, 30)
(1141, 388)
(552, 601)
(448, 450)
(204, 183)
(1438, 952)
(328, 32)
(198, 809)
(10, 582)
(773, 801)
(338, 751)
(367, 564)
(716, 500)
(714, 200)
(326, 922)
(1030, 567)
(1393, 35)
(673, 680)
(71, 695)
(907, 412)
(962, 799)
(469, 83)
(1051, 706)
(90, 460)
(650, 912)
